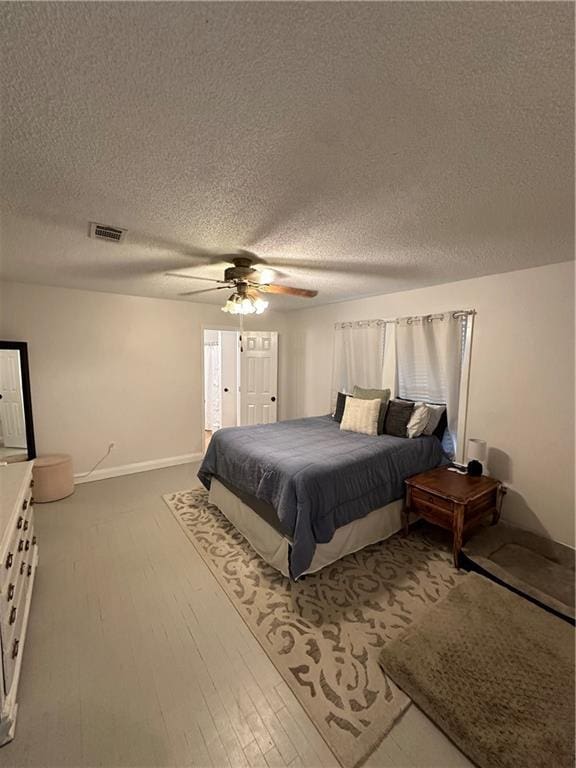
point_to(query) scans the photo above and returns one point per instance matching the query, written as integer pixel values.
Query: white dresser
(18, 560)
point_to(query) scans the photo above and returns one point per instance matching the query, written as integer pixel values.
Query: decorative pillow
(418, 420)
(361, 415)
(372, 394)
(340, 403)
(397, 417)
(434, 415)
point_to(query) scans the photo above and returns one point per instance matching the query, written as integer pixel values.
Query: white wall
(110, 367)
(521, 386)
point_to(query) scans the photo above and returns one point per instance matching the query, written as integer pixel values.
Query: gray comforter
(316, 476)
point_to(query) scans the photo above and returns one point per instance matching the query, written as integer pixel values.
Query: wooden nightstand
(452, 501)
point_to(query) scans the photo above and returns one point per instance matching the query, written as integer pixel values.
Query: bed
(305, 493)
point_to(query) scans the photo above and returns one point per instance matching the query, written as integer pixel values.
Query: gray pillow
(436, 412)
(375, 394)
(397, 418)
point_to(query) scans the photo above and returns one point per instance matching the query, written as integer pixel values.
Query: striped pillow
(361, 416)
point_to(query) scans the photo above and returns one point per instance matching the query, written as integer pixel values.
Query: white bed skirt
(273, 547)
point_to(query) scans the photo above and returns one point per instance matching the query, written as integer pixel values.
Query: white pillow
(418, 421)
(361, 415)
(434, 415)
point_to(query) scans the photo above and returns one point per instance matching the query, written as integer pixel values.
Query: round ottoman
(53, 478)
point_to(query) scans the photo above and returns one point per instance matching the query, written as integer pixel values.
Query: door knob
(273, 399)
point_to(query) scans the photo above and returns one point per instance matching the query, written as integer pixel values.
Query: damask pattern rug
(325, 632)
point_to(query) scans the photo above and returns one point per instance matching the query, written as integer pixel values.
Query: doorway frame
(214, 327)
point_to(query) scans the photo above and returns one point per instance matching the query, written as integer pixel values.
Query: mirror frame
(22, 347)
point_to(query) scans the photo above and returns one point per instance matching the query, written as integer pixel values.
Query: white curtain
(212, 406)
(358, 356)
(429, 354)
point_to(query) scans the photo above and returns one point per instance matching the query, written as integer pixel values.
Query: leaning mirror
(16, 425)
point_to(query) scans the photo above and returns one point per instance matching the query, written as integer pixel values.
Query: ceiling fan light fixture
(260, 305)
(244, 305)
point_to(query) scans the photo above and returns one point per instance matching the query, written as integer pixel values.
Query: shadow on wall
(515, 510)
(500, 465)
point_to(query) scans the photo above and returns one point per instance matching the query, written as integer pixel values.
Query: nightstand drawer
(432, 513)
(431, 498)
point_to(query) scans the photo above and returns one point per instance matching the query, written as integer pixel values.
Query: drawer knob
(25, 505)
(20, 521)
(9, 560)
(33, 540)
(20, 545)
(22, 568)
(15, 648)
(26, 525)
(27, 545)
(29, 570)
(13, 613)
(11, 589)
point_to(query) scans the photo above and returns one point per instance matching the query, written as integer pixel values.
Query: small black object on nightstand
(474, 468)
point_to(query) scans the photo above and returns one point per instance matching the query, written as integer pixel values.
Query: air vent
(103, 232)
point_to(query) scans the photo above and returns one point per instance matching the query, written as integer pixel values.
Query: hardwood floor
(135, 656)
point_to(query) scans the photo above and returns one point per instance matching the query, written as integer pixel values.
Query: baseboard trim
(133, 469)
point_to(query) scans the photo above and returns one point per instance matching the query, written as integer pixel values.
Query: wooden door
(259, 377)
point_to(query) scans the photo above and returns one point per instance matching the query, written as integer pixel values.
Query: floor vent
(103, 232)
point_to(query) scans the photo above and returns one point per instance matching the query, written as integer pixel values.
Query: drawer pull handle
(15, 648)
(9, 560)
(25, 505)
(20, 545)
(11, 589)
(13, 613)
(33, 541)
(22, 568)
(26, 525)
(20, 521)
(27, 545)
(29, 570)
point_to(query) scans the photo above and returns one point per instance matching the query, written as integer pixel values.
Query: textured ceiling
(362, 147)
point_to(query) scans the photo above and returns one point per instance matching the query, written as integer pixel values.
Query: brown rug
(493, 671)
(325, 632)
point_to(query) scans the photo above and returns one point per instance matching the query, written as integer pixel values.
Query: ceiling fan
(247, 283)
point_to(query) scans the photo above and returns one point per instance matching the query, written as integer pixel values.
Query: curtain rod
(408, 319)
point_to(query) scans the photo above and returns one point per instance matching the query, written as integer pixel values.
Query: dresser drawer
(17, 539)
(12, 648)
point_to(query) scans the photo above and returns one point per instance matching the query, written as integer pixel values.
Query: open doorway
(221, 381)
(240, 379)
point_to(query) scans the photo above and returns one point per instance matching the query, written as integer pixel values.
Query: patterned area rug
(325, 632)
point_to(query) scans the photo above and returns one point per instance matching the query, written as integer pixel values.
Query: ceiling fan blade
(193, 277)
(285, 289)
(205, 290)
